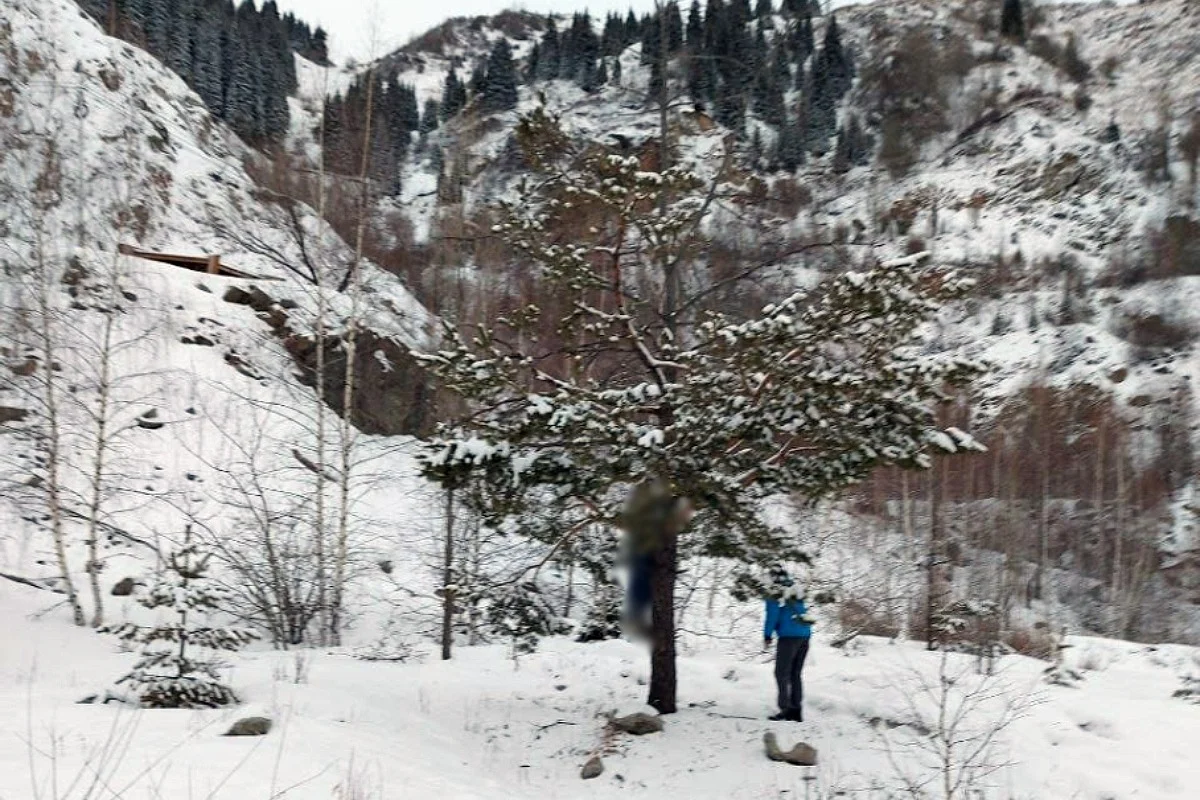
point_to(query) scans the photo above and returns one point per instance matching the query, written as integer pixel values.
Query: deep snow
(485, 726)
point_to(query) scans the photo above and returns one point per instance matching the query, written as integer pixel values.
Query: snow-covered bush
(522, 613)
(179, 666)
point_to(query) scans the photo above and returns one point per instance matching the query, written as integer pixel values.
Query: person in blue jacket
(787, 619)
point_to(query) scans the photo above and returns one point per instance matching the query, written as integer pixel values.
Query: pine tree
(768, 98)
(454, 95)
(694, 35)
(837, 60)
(674, 27)
(714, 25)
(580, 49)
(531, 63)
(736, 412)
(406, 115)
(550, 52)
(1012, 20)
(180, 40)
(789, 146)
(206, 57)
(178, 667)
(159, 17)
(430, 115)
(243, 97)
(803, 40)
(820, 108)
(651, 43)
(500, 87)
(853, 148)
(781, 69)
(740, 12)
(756, 148)
(478, 80)
(319, 49)
(828, 81)
(135, 12)
(612, 41)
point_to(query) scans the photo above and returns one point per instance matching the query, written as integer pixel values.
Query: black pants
(789, 661)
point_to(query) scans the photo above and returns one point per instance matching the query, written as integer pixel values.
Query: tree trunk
(353, 284)
(938, 581)
(54, 439)
(448, 578)
(662, 617)
(911, 581)
(570, 599)
(666, 559)
(319, 521)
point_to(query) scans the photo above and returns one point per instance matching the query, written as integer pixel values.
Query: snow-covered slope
(101, 145)
(485, 725)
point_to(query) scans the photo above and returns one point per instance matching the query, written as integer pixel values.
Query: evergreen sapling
(179, 666)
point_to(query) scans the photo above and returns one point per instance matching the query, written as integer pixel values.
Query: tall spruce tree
(500, 85)
(674, 27)
(206, 57)
(550, 52)
(768, 98)
(430, 115)
(789, 145)
(837, 60)
(243, 96)
(454, 95)
(694, 32)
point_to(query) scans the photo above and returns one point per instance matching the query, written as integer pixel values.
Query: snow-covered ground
(487, 726)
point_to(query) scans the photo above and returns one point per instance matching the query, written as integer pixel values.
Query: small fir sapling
(179, 667)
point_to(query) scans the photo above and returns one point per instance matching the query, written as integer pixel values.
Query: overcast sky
(350, 22)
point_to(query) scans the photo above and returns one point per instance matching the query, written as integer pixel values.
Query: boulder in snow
(124, 587)
(250, 726)
(638, 724)
(802, 755)
(592, 769)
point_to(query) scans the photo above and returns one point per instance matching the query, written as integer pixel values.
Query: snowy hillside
(104, 147)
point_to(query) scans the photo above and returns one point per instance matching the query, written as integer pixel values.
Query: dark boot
(781, 716)
(794, 715)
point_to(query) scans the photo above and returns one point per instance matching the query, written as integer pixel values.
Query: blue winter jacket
(785, 620)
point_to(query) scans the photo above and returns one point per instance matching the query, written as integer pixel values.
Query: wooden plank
(209, 264)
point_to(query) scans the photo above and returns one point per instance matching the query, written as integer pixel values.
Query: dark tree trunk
(662, 616)
(448, 578)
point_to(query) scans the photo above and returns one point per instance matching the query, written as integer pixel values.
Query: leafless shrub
(948, 741)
